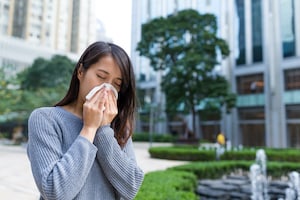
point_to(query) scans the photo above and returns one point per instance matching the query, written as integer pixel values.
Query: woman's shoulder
(55, 113)
(43, 112)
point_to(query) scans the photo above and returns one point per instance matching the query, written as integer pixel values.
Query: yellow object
(221, 139)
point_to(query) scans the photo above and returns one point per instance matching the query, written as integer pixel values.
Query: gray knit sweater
(67, 166)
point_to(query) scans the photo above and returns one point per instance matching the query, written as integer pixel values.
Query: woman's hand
(111, 108)
(93, 113)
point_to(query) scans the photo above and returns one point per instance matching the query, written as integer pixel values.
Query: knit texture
(67, 166)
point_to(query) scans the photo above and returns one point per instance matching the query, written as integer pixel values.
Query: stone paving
(16, 181)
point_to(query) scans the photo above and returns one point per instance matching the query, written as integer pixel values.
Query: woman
(82, 148)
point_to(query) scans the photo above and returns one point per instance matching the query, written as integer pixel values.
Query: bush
(180, 182)
(181, 153)
(144, 137)
(217, 169)
(212, 170)
(289, 155)
(195, 154)
(168, 185)
(5, 135)
(245, 154)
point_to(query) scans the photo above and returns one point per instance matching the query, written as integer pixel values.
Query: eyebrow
(102, 71)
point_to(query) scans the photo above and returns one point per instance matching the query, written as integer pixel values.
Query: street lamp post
(151, 126)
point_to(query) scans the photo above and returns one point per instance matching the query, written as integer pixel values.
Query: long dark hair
(123, 123)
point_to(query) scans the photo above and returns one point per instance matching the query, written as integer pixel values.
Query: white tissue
(97, 88)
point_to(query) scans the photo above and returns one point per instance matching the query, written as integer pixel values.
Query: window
(252, 126)
(241, 59)
(293, 125)
(257, 46)
(292, 79)
(250, 84)
(293, 112)
(251, 113)
(287, 27)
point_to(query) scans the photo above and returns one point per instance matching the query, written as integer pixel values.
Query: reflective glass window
(257, 46)
(252, 126)
(240, 7)
(251, 113)
(292, 79)
(293, 112)
(250, 84)
(287, 27)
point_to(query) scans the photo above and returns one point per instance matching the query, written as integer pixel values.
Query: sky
(116, 18)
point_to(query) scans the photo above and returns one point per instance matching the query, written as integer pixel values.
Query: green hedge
(212, 170)
(194, 154)
(181, 153)
(180, 182)
(217, 169)
(171, 184)
(144, 137)
(168, 185)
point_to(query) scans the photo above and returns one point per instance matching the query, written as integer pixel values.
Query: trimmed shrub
(180, 182)
(181, 153)
(168, 185)
(188, 153)
(144, 137)
(217, 169)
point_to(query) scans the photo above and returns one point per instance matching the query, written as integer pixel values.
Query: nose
(110, 81)
(110, 87)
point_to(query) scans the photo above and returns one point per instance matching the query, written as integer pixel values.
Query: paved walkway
(16, 181)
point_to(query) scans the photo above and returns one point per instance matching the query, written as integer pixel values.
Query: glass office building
(266, 73)
(263, 69)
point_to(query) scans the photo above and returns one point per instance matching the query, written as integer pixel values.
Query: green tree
(8, 93)
(185, 46)
(43, 73)
(43, 83)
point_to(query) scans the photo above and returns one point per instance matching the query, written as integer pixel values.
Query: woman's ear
(80, 71)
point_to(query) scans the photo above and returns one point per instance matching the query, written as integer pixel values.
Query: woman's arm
(119, 165)
(58, 175)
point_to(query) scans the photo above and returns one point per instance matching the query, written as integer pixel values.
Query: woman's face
(104, 71)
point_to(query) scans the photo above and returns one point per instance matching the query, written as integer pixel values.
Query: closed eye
(117, 86)
(101, 77)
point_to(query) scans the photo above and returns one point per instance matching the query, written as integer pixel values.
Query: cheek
(90, 85)
(86, 85)
(88, 81)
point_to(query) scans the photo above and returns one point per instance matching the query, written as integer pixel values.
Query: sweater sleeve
(58, 175)
(119, 165)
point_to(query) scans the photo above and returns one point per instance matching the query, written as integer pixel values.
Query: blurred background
(219, 75)
(41, 40)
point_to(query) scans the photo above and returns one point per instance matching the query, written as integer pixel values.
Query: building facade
(263, 67)
(67, 26)
(17, 54)
(43, 28)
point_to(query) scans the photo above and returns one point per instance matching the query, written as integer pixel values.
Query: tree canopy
(8, 94)
(185, 46)
(43, 83)
(43, 73)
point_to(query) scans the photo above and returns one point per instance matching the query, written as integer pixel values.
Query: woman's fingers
(111, 109)
(103, 106)
(112, 103)
(93, 109)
